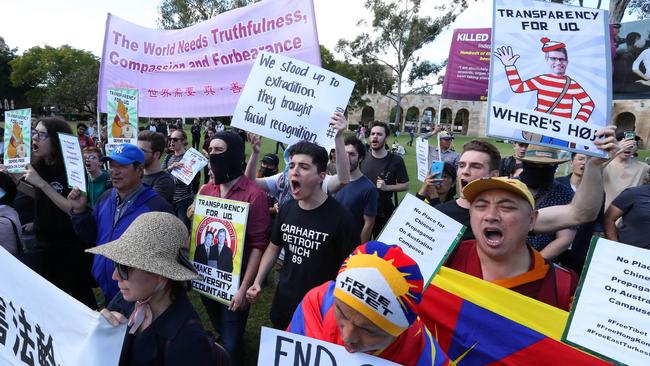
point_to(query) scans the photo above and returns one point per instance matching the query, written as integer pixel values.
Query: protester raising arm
(562, 242)
(342, 177)
(589, 196)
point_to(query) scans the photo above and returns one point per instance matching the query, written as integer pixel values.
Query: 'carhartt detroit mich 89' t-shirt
(315, 244)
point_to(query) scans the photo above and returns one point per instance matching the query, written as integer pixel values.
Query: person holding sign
(372, 307)
(502, 213)
(153, 275)
(555, 91)
(114, 210)
(228, 181)
(183, 195)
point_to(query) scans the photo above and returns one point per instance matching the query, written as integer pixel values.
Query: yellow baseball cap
(473, 189)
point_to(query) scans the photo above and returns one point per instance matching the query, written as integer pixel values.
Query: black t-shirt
(451, 209)
(635, 204)
(315, 243)
(51, 223)
(163, 183)
(392, 169)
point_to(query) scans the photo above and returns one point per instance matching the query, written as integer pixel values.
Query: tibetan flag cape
(314, 318)
(479, 323)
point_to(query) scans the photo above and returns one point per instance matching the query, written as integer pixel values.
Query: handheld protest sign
(550, 74)
(290, 100)
(422, 158)
(424, 233)
(468, 65)
(193, 161)
(74, 161)
(41, 323)
(18, 139)
(282, 348)
(610, 316)
(122, 117)
(217, 246)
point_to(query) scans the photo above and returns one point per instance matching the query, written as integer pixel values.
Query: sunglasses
(122, 271)
(176, 139)
(40, 135)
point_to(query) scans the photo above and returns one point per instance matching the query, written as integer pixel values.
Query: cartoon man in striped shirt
(555, 91)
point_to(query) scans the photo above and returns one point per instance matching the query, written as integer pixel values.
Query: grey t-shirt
(635, 204)
(163, 183)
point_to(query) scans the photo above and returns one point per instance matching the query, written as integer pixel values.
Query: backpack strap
(561, 95)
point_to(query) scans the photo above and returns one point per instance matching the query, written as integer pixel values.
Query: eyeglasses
(122, 270)
(40, 135)
(556, 59)
(176, 139)
(91, 157)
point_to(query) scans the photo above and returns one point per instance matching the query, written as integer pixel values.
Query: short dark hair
(81, 124)
(487, 148)
(381, 124)
(156, 139)
(317, 153)
(358, 145)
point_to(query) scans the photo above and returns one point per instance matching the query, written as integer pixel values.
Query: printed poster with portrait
(550, 80)
(122, 116)
(217, 246)
(631, 69)
(18, 139)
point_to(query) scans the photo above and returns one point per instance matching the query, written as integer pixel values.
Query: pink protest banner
(201, 70)
(468, 66)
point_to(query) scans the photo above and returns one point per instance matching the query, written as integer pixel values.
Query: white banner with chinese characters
(41, 325)
(200, 70)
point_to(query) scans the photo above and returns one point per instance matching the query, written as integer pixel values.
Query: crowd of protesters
(527, 231)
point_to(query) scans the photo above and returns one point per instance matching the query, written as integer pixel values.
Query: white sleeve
(272, 184)
(325, 182)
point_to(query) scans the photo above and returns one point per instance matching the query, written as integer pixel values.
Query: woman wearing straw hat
(152, 273)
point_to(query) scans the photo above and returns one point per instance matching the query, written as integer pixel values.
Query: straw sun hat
(152, 243)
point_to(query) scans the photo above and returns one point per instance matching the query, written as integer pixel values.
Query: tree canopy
(397, 33)
(64, 77)
(177, 14)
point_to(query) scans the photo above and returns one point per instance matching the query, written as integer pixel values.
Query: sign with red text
(122, 116)
(610, 316)
(18, 139)
(550, 75)
(193, 161)
(201, 70)
(288, 100)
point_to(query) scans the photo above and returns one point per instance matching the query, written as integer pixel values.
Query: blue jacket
(96, 228)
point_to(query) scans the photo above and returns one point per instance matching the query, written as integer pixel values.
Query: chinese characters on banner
(289, 100)
(550, 78)
(610, 316)
(73, 160)
(41, 325)
(193, 161)
(468, 66)
(122, 116)
(18, 139)
(200, 70)
(217, 247)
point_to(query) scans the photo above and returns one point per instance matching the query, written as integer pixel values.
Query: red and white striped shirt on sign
(549, 87)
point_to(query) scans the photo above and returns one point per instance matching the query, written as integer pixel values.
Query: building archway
(367, 115)
(461, 122)
(428, 117)
(412, 117)
(391, 122)
(625, 121)
(446, 116)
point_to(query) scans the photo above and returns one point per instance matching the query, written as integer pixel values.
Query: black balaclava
(229, 164)
(537, 175)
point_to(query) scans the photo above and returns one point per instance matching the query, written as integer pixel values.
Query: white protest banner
(193, 161)
(610, 316)
(424, 233)
(200, 70)
(122, 116)
(18, 139)
(217, 246)
(283, 348)
(74, 161)
(289, 100)
(41, 325)
(422, 158)
(550, 74)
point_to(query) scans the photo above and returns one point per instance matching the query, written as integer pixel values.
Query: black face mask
(229, 164)
(537, 176)
(267, 172)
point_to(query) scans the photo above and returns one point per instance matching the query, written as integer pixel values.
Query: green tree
(640, 7)
(64, 77)
(7, 90)
(398, 32)
(177, 14)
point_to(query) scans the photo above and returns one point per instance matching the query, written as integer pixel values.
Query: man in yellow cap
(502, 212)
